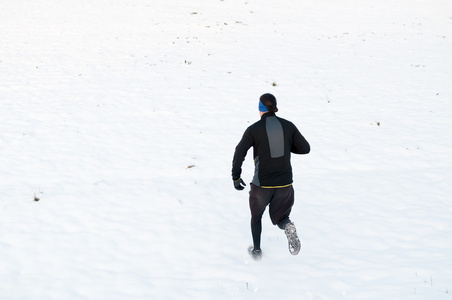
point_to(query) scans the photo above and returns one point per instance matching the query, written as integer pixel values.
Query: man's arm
(239, 155)
(300, 145)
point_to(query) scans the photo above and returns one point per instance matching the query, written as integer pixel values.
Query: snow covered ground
(122, 118)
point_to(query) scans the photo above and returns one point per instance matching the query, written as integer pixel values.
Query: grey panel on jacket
(275, 137)
(256, 180)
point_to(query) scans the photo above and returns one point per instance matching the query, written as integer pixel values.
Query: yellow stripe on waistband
(276, 187)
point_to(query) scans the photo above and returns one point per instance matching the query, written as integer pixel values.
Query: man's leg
(256, 230)
(280, 208)
(259, 199)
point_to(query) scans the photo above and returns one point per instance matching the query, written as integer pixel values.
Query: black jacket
(272, 139)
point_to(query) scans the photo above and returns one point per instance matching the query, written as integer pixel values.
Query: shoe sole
(292, 238)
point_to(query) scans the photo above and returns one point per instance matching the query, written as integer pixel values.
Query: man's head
(267, 103)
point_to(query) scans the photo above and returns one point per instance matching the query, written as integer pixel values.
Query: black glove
(239, 184)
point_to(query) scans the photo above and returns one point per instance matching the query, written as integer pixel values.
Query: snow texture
(122, 117)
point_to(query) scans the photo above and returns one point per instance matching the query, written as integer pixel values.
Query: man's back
(272, 139)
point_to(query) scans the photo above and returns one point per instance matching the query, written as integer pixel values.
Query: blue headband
(262, 107)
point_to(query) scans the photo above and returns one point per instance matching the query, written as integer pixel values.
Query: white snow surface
(122, 118)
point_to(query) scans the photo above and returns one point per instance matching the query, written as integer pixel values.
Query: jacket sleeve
(299, 145)
(240, 152)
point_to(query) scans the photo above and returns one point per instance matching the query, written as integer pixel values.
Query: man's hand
(239, 184)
